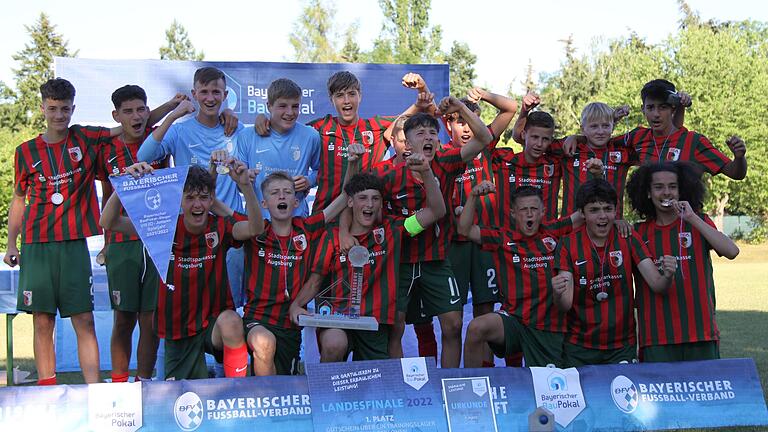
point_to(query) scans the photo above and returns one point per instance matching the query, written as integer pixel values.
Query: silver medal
(57, 198)
(601, 296)
(458, 210)
(222, 169)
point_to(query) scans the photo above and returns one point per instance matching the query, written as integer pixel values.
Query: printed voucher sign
(152, 203)
(275, 404)
(468, 404)
(380, 395)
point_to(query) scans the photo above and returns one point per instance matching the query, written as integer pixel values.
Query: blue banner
(382, 395)
(247, 84)
(152, 203)
(274, 404)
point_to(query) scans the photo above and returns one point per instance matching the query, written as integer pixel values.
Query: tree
(314, 40)
(406, 36)
(35, 68)
(461, 63)
(178, 46)
(529, 84)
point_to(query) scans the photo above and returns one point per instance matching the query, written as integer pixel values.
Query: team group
(539, 232)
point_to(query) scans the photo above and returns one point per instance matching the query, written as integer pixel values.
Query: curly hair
(690, 187)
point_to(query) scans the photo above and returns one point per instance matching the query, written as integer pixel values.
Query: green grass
(742, 304)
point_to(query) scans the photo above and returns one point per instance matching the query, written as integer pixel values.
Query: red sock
(47, 381)
(235, 361)
(425, 335)
(487, 363)
(514, 360)
(120, 377)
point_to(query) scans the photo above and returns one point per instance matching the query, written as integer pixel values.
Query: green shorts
(185, 358)
(704, 350)
(474, 268)
(540, 348)
(431, 284)
(55, 276)
(366, 345)
(575, 356)
(132, 277)
(287, 347)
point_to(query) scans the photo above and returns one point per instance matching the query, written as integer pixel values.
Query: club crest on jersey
(673, 154)
(549, 169)
(212, 239)
(75, 154)
(378, 235)
(116, 298)
(367, 137)
(549, 243)
(616, 258)
(614, 156)
(27, 298)
(300, 242)
(295, 153)
(685, 239)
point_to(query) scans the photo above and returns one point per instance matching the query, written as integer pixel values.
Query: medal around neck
(338, 306)
(57, 198)
(601, 296)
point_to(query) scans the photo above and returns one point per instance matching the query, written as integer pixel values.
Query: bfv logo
(188, 411)
(624, 394)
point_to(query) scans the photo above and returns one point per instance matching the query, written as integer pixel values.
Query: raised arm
(507, 108)
(163, 110)
(152, 149)
(354, 160)
(721, 243)
(737, 168)
(482, 137)
(255, 225)
(659, 282)
(435, 208)
(562, 286)
(530, 101)
(467, 227)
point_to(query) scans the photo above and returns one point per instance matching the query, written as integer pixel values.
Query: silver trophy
(343, 312)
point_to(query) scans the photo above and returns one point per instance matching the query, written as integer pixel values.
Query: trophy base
(339, 321)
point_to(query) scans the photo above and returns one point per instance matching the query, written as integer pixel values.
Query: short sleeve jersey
(525, 269)
(681, 145)
(276, 268)
(406, 196)
(512, 171)
(196, 288)
(380, 274)
(115, 157)
(68, 167)
(334, 142)
(607, 324)
(685, 313)
(616, 158)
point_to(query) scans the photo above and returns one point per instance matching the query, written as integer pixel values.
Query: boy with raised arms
(383, 241)
(593, 283)
(194, 306)
(277, 263)
(528, 321)
(54, 208)
(679, 325)
(195, 141)
(289, 147)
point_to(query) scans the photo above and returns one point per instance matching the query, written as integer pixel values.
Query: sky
(504, 34)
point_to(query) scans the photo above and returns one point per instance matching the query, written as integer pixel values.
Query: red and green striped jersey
(681, 145)
(525, 272)
(68, 167)
(512, 171)
(196, 288)
(380, 274)
(686, 311)
(335, 139)
(477, 171)
(607, 324)
(276, 268)
(406, 196)
(114, 157)
(617, 159)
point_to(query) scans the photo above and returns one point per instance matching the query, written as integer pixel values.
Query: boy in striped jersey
(132, 277)
(593, 283)
(666, 140)
(277, 263)
(383, 240)
(679, 325)
(528, 320)
(194, 306)
(54, 208)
